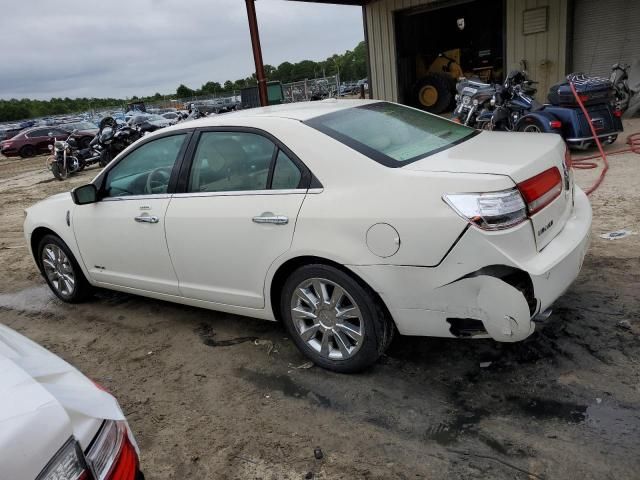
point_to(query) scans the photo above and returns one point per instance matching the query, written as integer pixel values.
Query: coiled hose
(584, 163)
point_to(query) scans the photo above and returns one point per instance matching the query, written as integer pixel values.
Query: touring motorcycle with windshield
(113, 138)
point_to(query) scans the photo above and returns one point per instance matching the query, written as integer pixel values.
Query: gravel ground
(212, 395)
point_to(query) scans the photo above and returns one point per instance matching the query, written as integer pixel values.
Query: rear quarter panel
(358, 192)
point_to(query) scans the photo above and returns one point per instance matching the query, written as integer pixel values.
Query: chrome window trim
(154, 196)
(241, 193)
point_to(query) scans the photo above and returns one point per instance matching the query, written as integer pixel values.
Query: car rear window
(391, 134)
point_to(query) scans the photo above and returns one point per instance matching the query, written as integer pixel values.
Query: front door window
(146, 170)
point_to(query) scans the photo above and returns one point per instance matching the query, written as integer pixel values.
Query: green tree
(211, 88)
(183, 91)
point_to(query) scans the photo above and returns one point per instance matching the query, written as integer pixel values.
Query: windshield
(391, 134)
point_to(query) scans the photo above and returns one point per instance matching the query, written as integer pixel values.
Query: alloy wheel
(58, 269)
(327, 318)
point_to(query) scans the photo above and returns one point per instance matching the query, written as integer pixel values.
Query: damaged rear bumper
(492, 284)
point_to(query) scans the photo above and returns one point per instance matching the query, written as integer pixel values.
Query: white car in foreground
(344, 219)
(55, 423)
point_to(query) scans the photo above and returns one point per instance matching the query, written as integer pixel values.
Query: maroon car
(33, 141)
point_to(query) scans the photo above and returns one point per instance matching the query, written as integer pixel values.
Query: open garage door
(436, 44)
(604, 33)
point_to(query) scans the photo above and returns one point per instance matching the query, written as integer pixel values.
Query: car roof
(302, 111)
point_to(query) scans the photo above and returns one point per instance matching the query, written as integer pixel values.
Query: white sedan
(347, 220)
(55, 423)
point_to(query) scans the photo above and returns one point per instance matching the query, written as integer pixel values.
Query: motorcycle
(113, 138)
(512, 108)
(626, 82)
(67, 158)
(476, 102)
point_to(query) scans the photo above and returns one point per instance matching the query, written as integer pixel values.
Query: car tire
(27, 151)
(344, 328)
(85, 141)
(61, 270)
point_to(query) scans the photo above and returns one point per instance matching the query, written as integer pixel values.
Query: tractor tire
(433, 93)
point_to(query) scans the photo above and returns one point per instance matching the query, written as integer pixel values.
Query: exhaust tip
(543, 316)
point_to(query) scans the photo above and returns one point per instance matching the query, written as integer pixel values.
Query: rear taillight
(541, 190)
(112, 455)
(617, 113)
(68, 463)
(489, 211)
(555, 124)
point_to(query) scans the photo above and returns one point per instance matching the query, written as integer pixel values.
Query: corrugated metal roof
(336, 2)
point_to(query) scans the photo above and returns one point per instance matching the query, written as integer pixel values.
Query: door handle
(269, 217)
(147, 219)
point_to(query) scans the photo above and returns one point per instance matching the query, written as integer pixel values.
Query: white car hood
(43, 401)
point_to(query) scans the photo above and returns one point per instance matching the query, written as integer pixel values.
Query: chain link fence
(313, 89)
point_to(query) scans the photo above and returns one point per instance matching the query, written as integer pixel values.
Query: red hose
(582, 163)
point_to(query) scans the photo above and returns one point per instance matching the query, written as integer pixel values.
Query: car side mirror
(85, 194)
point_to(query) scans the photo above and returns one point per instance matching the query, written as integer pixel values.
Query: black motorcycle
(67, 158)
(113, 138)
(626, 82)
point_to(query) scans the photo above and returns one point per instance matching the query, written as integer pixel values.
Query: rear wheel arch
(288, 267)
(373, 322)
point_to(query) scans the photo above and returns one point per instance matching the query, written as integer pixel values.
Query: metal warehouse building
(488, 38)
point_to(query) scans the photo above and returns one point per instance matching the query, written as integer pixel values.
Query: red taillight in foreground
(112, 455)
(126, 464)
(541, 190)
(555, 124)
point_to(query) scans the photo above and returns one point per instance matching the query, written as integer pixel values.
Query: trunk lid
(40, 389)
(519, 156)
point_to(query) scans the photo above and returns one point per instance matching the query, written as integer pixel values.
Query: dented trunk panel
(469, 282)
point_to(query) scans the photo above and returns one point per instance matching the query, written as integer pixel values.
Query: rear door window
(231, 162)
(286, 174)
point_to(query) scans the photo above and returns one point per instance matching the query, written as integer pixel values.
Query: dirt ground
(216, 396)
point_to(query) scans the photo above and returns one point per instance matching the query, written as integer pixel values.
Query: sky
(121, 48)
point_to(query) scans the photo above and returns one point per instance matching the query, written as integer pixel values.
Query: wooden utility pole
(257, 52)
